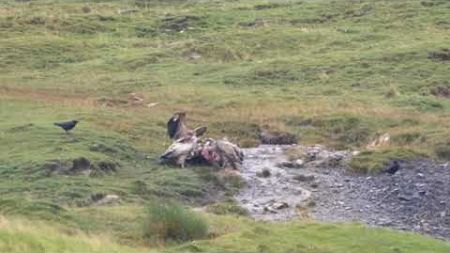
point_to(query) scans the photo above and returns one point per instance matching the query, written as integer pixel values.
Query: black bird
(393, 168)
(68, 125)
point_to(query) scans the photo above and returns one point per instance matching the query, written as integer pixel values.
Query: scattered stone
(304, 178)
(277, 138)
(264, 173)
(126, 11)
(381, 141)
(292, 165)
(280, 206)
(356, 152)
(135, 98)
(422, 193)
(311, 203)
(299, 163)
(108, 199)
(404, 198)
(384, 222)
(194, 56)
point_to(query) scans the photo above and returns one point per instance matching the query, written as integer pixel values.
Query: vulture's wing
(172, 126)
(199, 131)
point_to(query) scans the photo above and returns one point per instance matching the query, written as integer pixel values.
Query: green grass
(173, 222)
(337, 73)
(226, 234)
(376, 161)
(18, 235)
(243, 235)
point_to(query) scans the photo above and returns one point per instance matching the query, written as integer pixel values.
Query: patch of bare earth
(415, 198)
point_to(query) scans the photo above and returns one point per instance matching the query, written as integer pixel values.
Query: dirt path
(416, 198)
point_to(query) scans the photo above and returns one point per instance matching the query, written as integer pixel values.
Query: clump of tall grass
(172, 222)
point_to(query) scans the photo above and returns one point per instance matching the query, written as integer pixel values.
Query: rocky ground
(271, 192)
(415, 198)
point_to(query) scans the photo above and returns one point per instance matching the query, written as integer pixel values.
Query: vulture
(187, 147)
(181, 150)
(176, 127)
(223, 154)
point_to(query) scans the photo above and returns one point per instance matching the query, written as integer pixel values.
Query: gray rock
(304, 178)
(280, 206)
(108, 199)
(264, 173)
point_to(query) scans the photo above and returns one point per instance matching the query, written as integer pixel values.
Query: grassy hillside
(310, 237)
(333, 72)
(227, 234)
(24, 236)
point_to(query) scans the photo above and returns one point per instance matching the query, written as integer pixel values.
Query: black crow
(393, 168)
(68, 125)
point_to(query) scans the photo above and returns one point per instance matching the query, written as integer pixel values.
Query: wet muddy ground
(416, 198)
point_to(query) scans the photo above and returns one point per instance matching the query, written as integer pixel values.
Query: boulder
(277, 138)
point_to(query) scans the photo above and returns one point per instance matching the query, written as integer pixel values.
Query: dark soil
(442, 55)
(79, 166)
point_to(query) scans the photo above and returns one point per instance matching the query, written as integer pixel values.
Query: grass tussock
(173, 222)
(227, 208)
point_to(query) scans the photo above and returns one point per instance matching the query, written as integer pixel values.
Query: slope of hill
(338, 73)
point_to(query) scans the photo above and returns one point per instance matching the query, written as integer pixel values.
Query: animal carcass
(181, 150)
(222, 154)
(187, 147)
